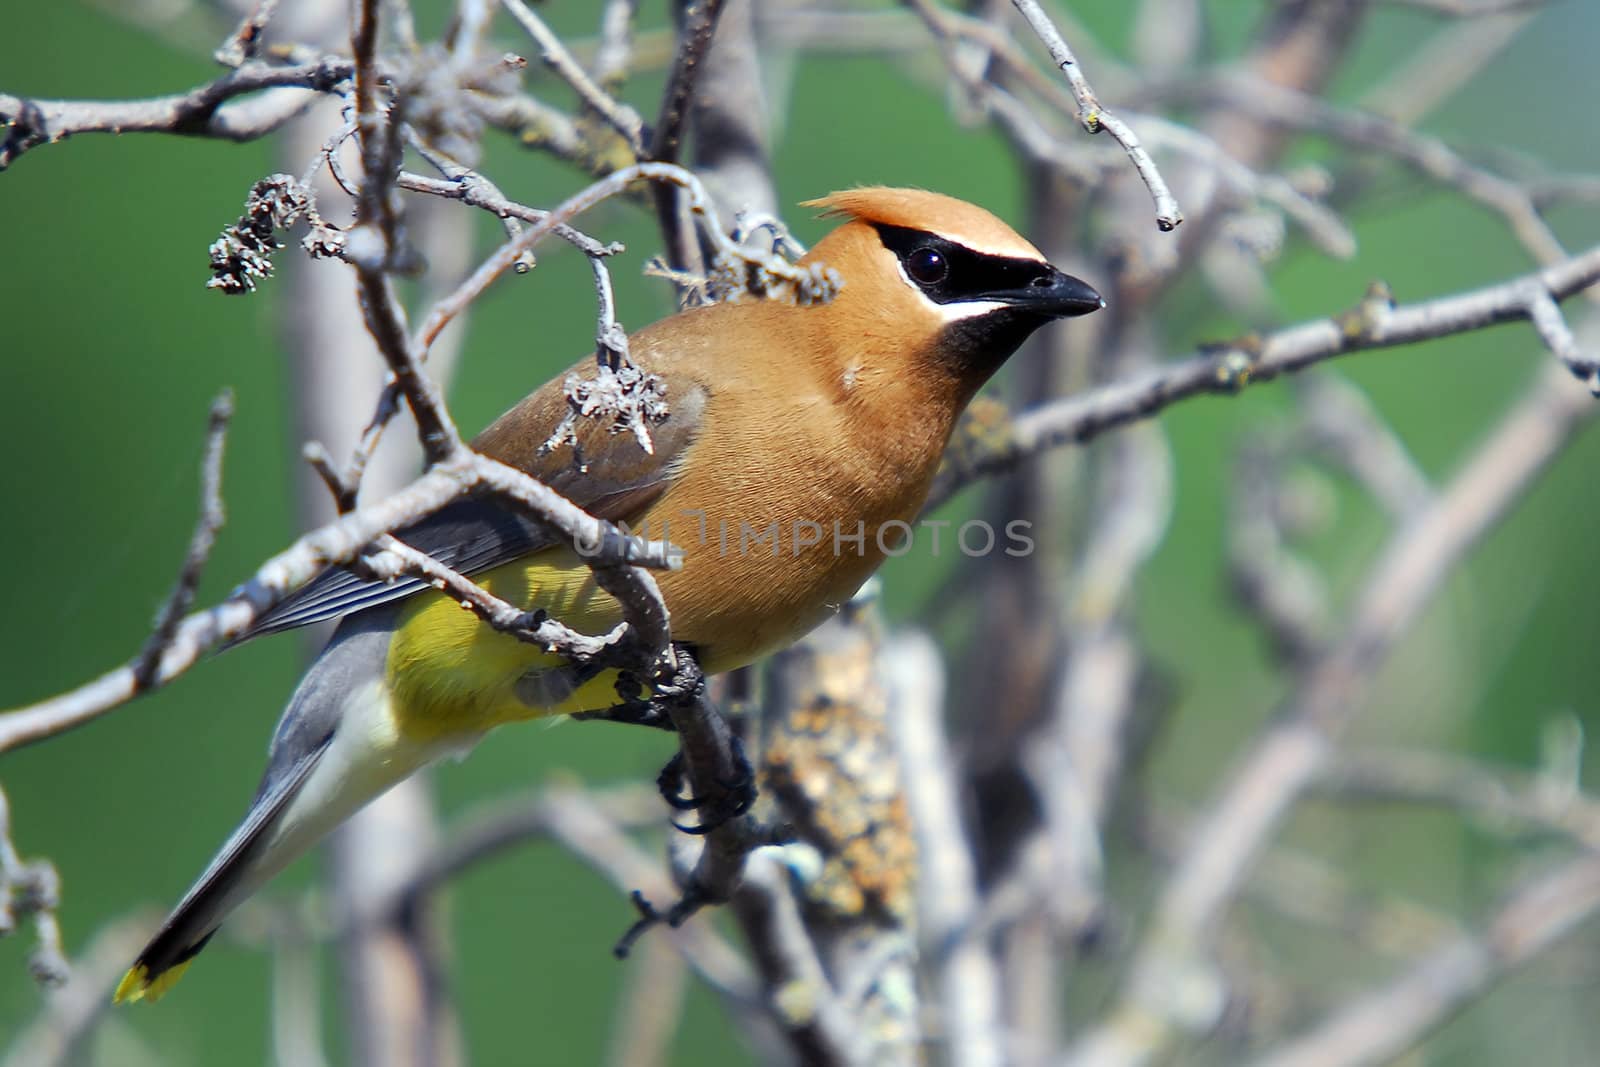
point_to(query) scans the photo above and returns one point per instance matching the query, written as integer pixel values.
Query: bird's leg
(711, 763)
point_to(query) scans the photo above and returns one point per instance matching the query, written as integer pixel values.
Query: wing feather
(606, 473)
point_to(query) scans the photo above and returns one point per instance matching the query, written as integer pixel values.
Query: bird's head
(943, 279)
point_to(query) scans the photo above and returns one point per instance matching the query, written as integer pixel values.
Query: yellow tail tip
(137, 984)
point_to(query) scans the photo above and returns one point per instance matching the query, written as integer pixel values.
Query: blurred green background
(111, 349)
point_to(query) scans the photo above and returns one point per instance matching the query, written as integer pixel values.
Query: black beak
(1057, 296)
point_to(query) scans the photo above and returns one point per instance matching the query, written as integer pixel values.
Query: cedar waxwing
(827, 421)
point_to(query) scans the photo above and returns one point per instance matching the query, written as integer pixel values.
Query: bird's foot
(732, 798)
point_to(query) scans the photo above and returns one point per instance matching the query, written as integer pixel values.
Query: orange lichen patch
(830, 764)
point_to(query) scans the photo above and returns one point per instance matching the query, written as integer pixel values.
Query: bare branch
(1379, 1026)
(649, 1008)
(593, 835)
(1497, 797)
(375, 246)
(700, 26)
(615, 51)
(197, 113)
(1293, 749)
(1446, 62)
(1287, 108)
(808, 1008)
(534, 124)
(1283, 593)
(1230, 368)
(57, 1037)
(339, 542)
(715, 769)
(1471, 8)
(1342, 426)
(966, 978)
(775, 274)
(1319, 222)
(533, 627)
(1557, 336)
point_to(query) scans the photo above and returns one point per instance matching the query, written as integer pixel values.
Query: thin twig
(245, 41)
(1284, 107)
(615, 50)
(467, 32)
(533, 627)
(471, 188)
(1341, 425)
(1320, 222)
(1449, 60)
(534, 124)
(1094, 116)
(31, 889)
(818, 1026)
(201, 541)
(804, 286)
(714, 768)
(618, 116)
(698, 27)
(476, 191)
(649, 1008)
(595, 837)
(508, 822)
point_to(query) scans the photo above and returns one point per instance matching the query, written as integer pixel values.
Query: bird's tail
(324, 763)
(244, 864)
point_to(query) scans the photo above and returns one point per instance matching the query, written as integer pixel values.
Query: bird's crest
(917, 209)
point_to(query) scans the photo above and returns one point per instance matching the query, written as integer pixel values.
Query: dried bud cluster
(243, 252)
(633, 400)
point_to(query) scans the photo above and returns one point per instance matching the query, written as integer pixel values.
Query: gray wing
(470, 536)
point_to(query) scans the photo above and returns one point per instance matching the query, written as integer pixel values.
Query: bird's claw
(733, 799)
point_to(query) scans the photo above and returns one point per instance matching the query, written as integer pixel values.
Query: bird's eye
(927, 266)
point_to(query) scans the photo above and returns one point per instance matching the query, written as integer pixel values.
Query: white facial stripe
(961, 309)
(966, 309)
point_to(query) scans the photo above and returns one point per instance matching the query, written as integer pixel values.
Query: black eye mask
(949, 273)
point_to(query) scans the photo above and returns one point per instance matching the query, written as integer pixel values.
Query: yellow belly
(449, 673)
